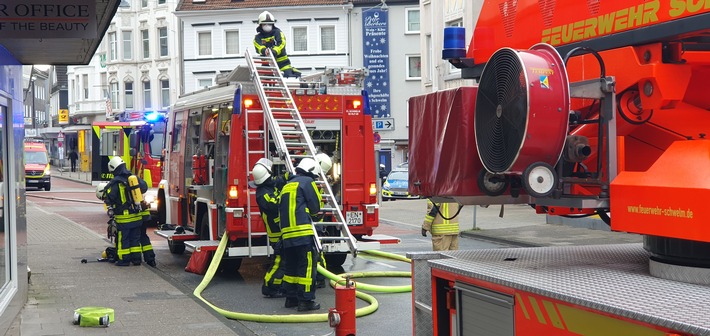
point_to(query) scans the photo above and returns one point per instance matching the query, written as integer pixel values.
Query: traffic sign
(378, 138)
(386, 124)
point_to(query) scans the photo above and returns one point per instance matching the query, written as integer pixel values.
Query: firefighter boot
(291, 302)
(122, 263)
(308, 305)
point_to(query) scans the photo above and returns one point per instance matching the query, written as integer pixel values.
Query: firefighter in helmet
(441, 221)
(270, 37)
(267, 197)
(128, 215)
(300, 203)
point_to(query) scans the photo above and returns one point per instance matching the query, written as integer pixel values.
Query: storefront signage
(47, 19)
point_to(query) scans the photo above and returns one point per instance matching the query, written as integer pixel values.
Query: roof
(191, 5)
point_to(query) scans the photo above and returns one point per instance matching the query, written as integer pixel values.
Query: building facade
(320, 34)
(135, 69)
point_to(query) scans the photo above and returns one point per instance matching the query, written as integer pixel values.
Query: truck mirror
(133, 141)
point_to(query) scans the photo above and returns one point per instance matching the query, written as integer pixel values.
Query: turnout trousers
(128, 242)
(301, 269)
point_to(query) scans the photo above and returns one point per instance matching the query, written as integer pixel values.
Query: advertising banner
(375, 50)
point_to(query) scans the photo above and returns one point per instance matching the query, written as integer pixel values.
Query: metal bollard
(342, 317)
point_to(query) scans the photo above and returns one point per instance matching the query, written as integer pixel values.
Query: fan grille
(501, 111)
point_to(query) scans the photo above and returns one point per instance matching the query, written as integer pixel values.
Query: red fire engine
(581, 108)
(138, 138)
(217, 134)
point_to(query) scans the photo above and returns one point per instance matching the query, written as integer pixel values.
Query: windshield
(36, 158)
(398, 175)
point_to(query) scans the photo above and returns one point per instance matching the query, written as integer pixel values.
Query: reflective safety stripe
(445, 229)
(148, 247)
(128, 218)
(119, 247)
(273, 270)
(306, 281)
(135, 249)
(302, 230)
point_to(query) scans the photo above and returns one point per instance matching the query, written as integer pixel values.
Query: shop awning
(44, 35)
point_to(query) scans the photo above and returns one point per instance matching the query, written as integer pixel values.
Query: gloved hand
(423, 232)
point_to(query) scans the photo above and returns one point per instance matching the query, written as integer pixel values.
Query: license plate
(353, 217)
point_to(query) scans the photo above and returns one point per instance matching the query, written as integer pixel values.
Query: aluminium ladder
(294, 142)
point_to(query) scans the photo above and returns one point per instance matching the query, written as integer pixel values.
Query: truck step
(202, 245)
(171, 235)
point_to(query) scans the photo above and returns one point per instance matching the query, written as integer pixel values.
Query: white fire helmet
(100, 190)
(324, 161)
(309, 165)
(261, 171)
(266, 17)
(114, 163)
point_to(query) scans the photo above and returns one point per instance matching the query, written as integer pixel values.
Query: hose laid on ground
(302, 318)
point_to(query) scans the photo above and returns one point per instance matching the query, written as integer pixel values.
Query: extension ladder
(293, 142)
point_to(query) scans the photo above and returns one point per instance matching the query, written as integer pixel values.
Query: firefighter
(267, 197)
(300, 202)
(325, 163)
(270, 37)
(128, 215)
(146, 246)
(441, 221)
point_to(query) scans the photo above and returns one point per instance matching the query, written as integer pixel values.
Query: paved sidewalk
(144, 302)
(66, 173)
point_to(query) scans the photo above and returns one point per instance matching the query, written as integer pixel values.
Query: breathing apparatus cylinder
(135, 190)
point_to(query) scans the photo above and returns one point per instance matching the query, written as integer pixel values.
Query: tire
(176, 247)
(230, 266)
(47, 187)
(335, 259)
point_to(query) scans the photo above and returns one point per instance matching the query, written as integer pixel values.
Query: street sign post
(386, 124)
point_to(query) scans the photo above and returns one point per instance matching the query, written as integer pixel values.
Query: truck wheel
(47, 187)
(176, 247)
(335, 259)
(229, 266)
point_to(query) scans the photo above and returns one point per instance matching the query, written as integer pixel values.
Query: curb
(513, 242)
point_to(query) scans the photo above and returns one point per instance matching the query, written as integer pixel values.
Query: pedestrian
(128, 215)
(73, 157)
(300, 201)
(267, 197)
(270, 37)
(441, 221)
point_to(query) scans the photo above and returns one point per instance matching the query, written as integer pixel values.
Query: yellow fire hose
(304, 318)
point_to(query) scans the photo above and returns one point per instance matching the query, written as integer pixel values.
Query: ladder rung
(292, 132)
(272, 78)
(333, 238)
(278, 98)
(266, 67)
(256, 132)
(289, 121)
(328, 209)
(327, 223)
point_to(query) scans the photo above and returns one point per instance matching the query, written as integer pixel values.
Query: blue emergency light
(153, 116)
(454, 43)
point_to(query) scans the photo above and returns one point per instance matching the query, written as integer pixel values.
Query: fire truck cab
(214, 137)
(138, 138)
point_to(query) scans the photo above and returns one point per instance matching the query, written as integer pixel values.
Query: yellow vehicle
(37, 173)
